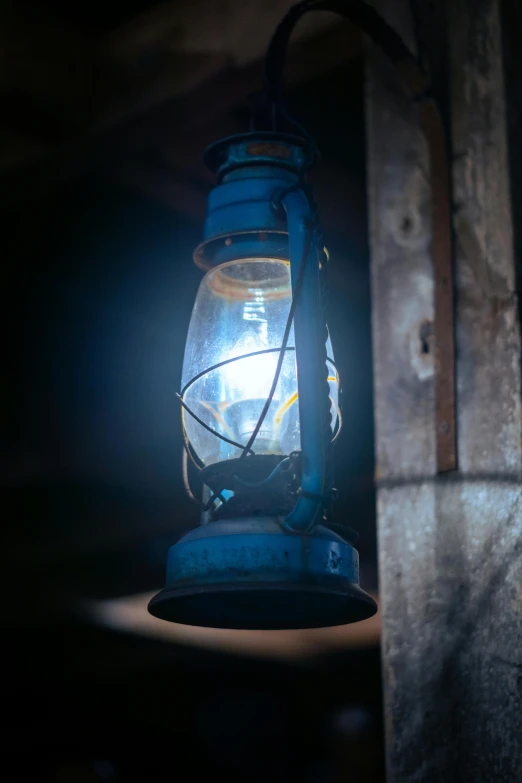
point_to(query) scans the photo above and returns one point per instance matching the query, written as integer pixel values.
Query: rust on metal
(442, 260)
(269, 149)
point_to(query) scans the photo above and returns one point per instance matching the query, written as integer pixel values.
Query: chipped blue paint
(260, 550)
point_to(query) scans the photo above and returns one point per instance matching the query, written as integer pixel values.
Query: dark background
(99, 290)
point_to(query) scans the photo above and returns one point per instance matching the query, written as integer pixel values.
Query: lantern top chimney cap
(259, 148)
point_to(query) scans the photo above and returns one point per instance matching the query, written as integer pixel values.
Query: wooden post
(450, 546)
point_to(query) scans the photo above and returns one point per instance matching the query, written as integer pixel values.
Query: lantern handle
(417, 86)
(369, 22)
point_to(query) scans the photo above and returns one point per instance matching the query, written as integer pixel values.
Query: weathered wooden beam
(148, 59)
(176, 130)
(61, 86)
(175, 127)
(450, 548)
(58, 82)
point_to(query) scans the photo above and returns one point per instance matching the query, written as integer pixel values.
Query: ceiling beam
(130, 125)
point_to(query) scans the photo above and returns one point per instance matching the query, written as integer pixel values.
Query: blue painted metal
(309, 325)
(251, 573)
(238, 213)
(259, 549)
(242, 222)
(268, 572)
(266, 150)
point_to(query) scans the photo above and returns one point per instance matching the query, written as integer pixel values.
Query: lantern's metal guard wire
(246, 449)
(216, 366)
(282, 352)
(284, 342)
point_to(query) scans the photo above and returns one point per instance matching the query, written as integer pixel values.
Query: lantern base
(253, 574)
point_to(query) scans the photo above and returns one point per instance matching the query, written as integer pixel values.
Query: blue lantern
(260, 408)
